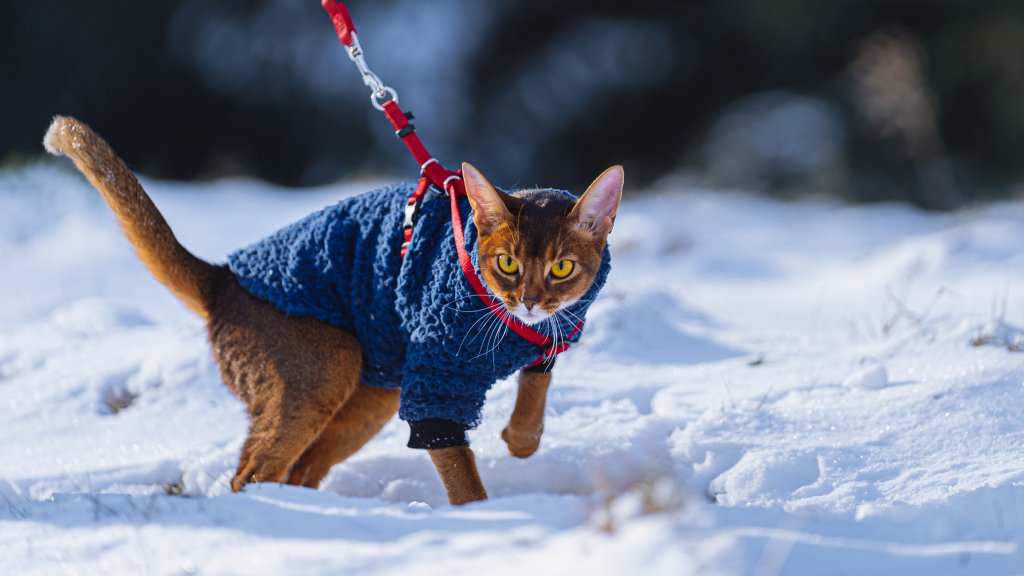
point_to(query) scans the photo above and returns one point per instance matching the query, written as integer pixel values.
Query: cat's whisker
(503, 331)
(451, 303)
(560, 339)
(466, 335)
(473, 310)
(493, 328)
(572, 315)
(482, 335)
(562, 335)
(553, 330)
(499, 338)
(486, 318)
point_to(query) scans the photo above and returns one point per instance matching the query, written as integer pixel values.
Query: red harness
(433, 173)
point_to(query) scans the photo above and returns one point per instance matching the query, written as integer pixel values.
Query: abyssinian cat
(324, 330)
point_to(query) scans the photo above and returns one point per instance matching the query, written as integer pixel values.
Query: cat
(325, 331)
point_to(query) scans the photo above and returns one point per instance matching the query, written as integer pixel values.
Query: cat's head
(538, 250)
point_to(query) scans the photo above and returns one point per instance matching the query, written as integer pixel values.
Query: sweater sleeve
(434, 433)
(436, 386)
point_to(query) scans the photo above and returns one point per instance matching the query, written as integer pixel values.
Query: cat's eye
(562, 268)
(508, 264)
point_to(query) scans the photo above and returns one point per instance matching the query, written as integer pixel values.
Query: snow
(765, 388)
(870, 376)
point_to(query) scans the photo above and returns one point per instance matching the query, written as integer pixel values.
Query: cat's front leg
(525, 426)
(457, 467)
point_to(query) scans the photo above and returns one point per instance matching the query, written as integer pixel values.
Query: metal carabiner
(380, 93)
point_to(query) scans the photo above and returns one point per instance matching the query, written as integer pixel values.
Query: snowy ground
(765, 388)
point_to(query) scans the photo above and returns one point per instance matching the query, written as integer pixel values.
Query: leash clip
(380, 93)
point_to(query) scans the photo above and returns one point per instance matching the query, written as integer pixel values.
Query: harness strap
(429, 166)
(412, 212)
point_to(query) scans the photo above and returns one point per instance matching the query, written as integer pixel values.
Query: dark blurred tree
(533, 92)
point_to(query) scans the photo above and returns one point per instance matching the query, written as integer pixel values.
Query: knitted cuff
(542, 367)
(436, 433)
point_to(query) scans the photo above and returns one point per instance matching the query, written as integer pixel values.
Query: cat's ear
(488, 208)
(595, 210)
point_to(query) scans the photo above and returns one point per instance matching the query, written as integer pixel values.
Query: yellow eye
(508, 264)
(562, 268)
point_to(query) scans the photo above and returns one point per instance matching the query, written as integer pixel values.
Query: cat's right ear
(595, 210)
(488, 208)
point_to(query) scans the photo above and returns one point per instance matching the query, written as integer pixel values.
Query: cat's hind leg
(281, 428)
(358, 420)
(293, 373)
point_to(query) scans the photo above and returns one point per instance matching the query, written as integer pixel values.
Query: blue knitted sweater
(421, 326)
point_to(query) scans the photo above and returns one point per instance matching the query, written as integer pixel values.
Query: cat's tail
(188, 277)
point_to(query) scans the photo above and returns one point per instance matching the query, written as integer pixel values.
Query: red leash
(385, 99)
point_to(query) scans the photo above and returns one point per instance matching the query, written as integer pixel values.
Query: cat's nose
(529, 303)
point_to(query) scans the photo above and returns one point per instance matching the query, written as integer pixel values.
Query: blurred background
(911, 100)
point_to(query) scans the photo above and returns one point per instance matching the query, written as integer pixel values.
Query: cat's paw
(521, 445)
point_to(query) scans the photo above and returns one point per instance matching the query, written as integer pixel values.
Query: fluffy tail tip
(57, 134)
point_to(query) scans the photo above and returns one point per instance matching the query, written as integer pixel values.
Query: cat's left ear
(488, 208)
(595, 210)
